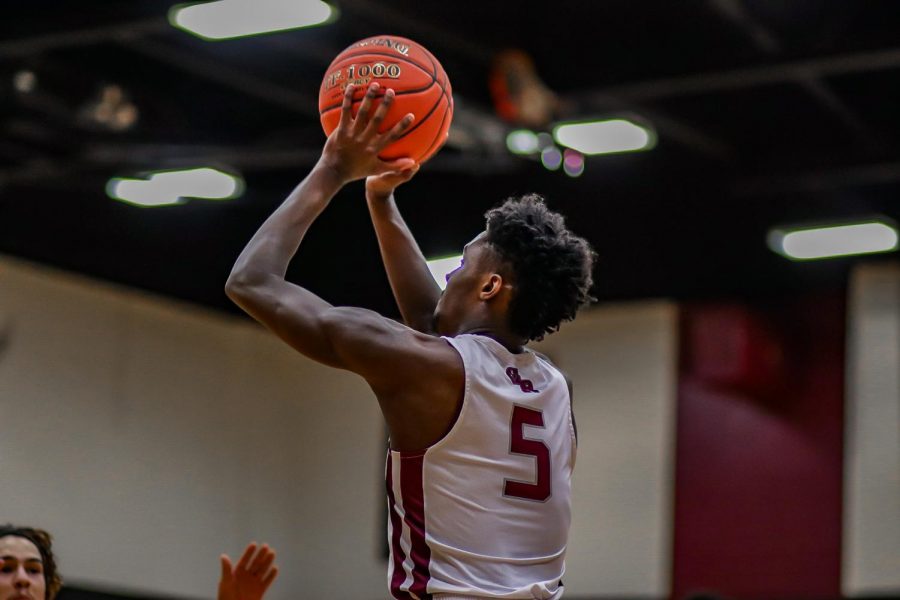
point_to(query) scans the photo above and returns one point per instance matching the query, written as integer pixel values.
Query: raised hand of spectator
(251, 577)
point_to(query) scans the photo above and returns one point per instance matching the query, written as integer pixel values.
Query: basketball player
(482, 440)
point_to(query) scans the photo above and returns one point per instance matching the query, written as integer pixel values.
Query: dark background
(767, 112)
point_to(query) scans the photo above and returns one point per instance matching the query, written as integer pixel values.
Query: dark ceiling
(767, 112)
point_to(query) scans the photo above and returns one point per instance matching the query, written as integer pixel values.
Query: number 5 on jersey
(519, 444)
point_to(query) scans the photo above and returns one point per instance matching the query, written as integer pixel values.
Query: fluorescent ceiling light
(166, 188)
(139, 192)
(198, 183)
(604, 137)
(835, 240)
(522, 141)
(440, 267)
(226, 19)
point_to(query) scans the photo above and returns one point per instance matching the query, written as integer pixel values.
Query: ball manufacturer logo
(361, 74)
(524, 384)
(386, 42)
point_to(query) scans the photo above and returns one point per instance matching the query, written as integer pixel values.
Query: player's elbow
(235, 287)
(242, 285)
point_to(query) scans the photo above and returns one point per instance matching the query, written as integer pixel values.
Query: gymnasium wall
(760, 442)
(149, 436)
(871, 523)
(622, 362)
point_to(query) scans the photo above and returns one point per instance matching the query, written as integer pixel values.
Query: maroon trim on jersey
(412, 497)
(399, 575)
(413, 493)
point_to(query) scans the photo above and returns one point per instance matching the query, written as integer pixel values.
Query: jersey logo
(524, 384)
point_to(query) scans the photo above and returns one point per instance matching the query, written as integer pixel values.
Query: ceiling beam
(821, 180)
(394, 19)
(734, 79)
(166, 156)
(27, 46)
(766, 42)
(213, 70)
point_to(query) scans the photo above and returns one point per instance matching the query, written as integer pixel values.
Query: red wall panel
(759, 449)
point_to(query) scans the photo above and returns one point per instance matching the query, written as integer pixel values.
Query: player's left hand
(251, 577)
(351, 151)
(382, 186)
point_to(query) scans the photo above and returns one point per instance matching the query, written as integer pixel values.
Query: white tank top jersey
(485, 512)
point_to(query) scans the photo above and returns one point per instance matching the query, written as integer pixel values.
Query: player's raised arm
(414, 289)
(257, 281)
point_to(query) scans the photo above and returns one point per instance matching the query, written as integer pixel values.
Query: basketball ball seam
(437, 102)
(430, 112)
(396, 93)
(435, 143)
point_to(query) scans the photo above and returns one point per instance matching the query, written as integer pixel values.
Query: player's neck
(510, 341)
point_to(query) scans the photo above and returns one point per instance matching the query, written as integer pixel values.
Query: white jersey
(485, 512)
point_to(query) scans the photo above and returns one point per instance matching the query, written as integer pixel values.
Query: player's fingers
(365, 107)
(380, 113)
(404, 175)
(407, 174)
(396, 166)
(247, 555)
(396, 131)
(346, 106)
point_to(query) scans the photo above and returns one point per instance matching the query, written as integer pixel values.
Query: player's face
(22, 571)
(461, 293)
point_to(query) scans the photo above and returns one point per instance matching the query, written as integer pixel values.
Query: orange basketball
(420, 86)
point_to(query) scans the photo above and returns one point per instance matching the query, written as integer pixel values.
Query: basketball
(420, 85)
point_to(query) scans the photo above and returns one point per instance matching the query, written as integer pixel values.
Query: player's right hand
(351, 151)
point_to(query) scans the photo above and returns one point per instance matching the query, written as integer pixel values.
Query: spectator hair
(44, 543)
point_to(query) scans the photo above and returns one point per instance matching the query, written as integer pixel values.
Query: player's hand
(351, 151)
(251, 577)
(382, 186)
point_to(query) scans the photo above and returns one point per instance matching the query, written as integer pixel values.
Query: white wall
(622, 362)
(149, 436)
(871, 561)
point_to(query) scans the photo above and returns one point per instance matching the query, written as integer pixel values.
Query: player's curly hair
(551, 266)
(44, 543)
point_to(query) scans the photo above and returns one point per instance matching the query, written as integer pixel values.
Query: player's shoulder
(553, 365)
(377, 345)
(546, 359)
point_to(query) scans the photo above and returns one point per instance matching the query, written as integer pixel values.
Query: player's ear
(491, 286)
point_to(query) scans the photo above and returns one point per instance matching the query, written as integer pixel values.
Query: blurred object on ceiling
(519, 95)
(110, 109)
